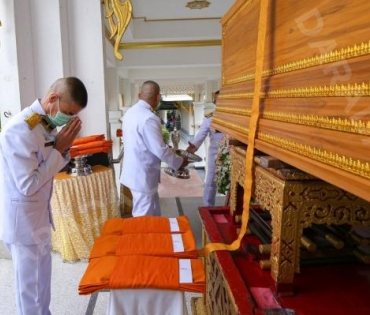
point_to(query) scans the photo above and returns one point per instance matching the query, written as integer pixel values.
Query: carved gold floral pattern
(353, 166)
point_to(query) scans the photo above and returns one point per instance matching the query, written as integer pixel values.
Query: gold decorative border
(170, 44)
(243, 78)
(234, 110)
(236, 96)
(231, 126)
(348, 52)
(333, 123)
(243, 152)
(340, 161)
(351, 90)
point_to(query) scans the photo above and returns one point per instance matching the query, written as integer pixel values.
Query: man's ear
(53, 97)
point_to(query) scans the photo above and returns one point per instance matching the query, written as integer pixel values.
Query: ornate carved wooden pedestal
(295, 200)
(237, 285)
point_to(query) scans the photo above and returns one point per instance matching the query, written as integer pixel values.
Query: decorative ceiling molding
(145, 19)
(119, 16)
(170, 44)
(198, 4)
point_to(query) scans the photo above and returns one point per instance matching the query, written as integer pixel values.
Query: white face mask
(60, 118)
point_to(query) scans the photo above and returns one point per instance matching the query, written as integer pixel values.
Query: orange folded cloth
(146, 224)
(78, 141)
(154, 244)
(75, 153)
(91, 145)
(138, 272)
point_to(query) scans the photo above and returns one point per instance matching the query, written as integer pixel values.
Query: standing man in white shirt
(31, 153)
(144, 149)
(210, 186)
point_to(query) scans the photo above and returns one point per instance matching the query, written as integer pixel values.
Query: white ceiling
(170, 24)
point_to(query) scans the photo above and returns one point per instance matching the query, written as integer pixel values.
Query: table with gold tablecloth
(80, 205)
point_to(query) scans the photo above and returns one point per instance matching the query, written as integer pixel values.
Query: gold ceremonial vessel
(183, 172)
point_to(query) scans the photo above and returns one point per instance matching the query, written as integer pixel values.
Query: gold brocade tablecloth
(80, 205)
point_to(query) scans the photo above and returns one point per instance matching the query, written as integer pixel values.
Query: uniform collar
(36, 107)
(144, 104)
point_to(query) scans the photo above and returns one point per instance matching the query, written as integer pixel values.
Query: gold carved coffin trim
(236, 127)
(340, 124)
(235, 111)
(349, 90)
(356, 50)
(356, 167)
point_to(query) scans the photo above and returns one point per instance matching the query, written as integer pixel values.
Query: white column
(17, 89)
(87, 61)
(48, 40)
(112, 83)
(208, 91)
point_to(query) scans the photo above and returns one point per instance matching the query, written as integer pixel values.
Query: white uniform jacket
(28, 163)
(204, 131)
(144, 149)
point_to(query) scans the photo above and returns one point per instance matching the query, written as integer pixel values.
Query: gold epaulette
(209, 115)
(33, 120)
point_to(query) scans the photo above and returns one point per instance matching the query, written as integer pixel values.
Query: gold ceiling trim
(170, 44)
(330, 158)
(198, 4)
(333, 123)
(176, 20)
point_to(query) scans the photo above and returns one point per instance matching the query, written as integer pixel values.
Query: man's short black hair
(77, 91)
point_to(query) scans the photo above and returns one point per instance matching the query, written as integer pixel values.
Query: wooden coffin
(314, 101)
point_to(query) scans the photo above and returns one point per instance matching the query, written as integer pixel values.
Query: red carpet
(171, 187)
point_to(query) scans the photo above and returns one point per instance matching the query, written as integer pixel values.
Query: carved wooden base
(295, 200)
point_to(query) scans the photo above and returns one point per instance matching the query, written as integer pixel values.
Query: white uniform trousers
(210, 186)
(145, 204)
(32, 266)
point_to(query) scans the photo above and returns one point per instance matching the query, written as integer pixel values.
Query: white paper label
(178, 245)
(174, 225)
(186, 274)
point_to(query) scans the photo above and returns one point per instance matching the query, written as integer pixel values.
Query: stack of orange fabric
(153, 244)
(140, 252)
(120, 226)
(138, 272)
(90, 145)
